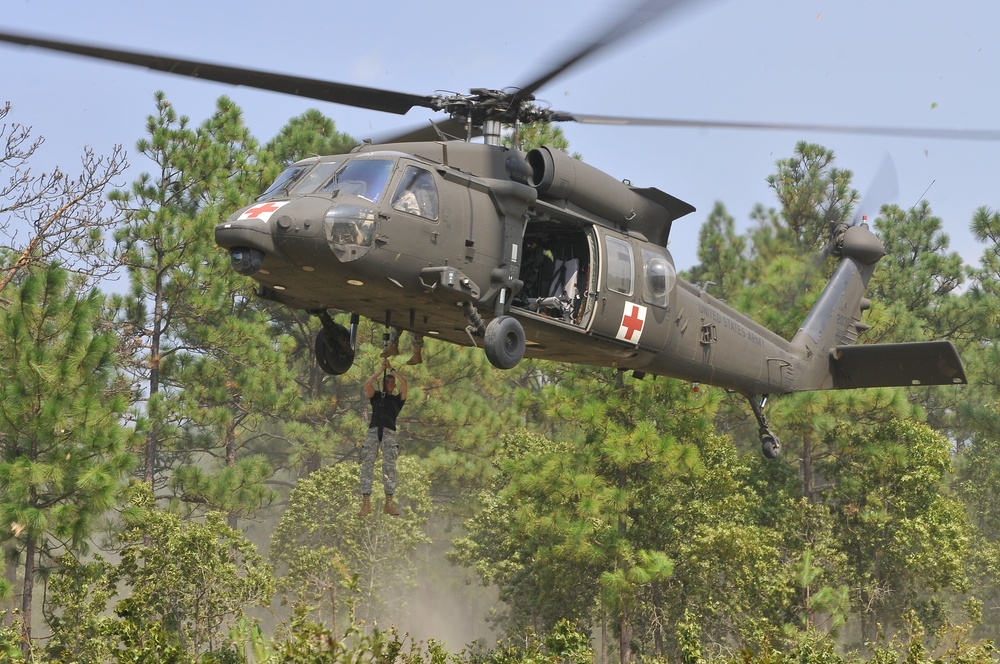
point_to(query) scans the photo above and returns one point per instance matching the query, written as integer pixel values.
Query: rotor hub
(484, 108)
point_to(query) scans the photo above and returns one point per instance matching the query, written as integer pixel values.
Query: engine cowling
(557, 175)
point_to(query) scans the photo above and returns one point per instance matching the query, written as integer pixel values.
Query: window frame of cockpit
(297, 171)
(315, 173)
(400, 186)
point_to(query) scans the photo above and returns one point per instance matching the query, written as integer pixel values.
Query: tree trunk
(149, 470)
(232, 517)
(807, 469)
(625, 641)
(26, 596)
(604, 633)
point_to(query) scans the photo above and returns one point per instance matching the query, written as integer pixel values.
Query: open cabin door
(559, 272)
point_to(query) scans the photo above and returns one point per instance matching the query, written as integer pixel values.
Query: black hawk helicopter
(531, 253)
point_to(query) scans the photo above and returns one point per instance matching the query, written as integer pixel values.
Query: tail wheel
(334, 354)
(504, 343)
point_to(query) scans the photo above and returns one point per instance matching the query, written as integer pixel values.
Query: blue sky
(856, 62)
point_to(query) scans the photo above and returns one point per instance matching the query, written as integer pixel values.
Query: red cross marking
(257, 210)
(632, 322)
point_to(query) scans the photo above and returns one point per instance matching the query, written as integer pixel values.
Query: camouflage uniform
(390, 451)
(385, 408)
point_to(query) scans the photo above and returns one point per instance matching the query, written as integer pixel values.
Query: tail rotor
(883, 188)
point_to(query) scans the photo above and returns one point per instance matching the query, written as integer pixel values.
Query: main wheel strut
(769, 444)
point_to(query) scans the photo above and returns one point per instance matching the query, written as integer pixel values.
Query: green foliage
(536, 135)
(194, 579)
(913, 296)
(64, 451)
(630, 519)
(917, 271)
(308, 135)
(814, 196)
(563, 644)
(187, 585)
(11, 634)
(322, 544)
(76, 611)
(307, 642)
(903, 535)
(723, 266)
(823, 606)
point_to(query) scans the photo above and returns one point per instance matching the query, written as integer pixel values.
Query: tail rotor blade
(884, 188)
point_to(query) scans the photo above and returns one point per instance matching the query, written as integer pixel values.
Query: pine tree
(65, 450)
(207, 354)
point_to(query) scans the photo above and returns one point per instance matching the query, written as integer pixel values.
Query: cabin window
(417, 194)
(659, 277)
(619, 266)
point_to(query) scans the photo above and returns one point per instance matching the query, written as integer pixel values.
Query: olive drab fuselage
(578, 258)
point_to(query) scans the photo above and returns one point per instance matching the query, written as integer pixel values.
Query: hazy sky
(897, 63)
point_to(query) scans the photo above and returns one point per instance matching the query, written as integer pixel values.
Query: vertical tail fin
(835, 319)
(826, 340)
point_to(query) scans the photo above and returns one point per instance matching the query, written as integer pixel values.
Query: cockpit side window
(417, 194)
(361, 177)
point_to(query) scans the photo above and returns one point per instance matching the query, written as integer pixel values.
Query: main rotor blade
(632, 20)
(910, 132)
(338, 93)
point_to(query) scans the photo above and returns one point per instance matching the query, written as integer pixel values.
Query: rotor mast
(491, 131)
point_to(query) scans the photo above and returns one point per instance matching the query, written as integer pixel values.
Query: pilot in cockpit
(416, 194)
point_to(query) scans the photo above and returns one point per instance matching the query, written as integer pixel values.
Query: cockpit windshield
(318, 176)
(303, 178)
(285, 181)
(361, 177)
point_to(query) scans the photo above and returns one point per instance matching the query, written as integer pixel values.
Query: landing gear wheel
(504, 343)
(334, 354)
(769, 444)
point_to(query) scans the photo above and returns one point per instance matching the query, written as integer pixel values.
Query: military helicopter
(531, 254)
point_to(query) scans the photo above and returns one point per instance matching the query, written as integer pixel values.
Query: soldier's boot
(390, 507)
(390, 350)
(417, 357)
(366, 505)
